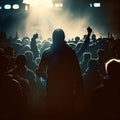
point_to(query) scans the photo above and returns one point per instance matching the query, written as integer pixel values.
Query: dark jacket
(64, 75)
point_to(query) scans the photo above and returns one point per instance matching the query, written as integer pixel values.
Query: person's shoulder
(30, 73)
(34, 64)
(69, 48)
(47, 51)
(12, 83)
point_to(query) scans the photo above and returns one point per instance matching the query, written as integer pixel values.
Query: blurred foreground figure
(106, 99)
(64, 80)
(12, 102)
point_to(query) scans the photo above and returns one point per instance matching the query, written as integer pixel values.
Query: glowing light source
(97, 5)
(7, 6)
(91, 5)
(26, 7)
(58, 5)
(0, 7)
(16, 6)
(61, 5)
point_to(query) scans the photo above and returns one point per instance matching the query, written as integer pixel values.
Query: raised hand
(35, 36)
(89, 30)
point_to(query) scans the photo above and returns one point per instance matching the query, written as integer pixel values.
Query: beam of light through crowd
(44, 20)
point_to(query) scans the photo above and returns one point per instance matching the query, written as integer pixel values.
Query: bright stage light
(0, 7)
(7, 6)
(58, 5)
(61, 5)
(97, 5)
(16, 6)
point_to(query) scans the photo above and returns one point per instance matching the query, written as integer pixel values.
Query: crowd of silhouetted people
(55, 78)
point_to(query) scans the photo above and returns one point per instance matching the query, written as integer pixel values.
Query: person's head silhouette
(93, 64)
(21, 60)
(58, 36)
(113, 68)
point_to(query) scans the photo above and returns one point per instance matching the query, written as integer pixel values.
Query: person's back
(62, 71)
(64, 76)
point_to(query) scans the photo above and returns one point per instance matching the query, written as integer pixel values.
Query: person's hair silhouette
(58, 36)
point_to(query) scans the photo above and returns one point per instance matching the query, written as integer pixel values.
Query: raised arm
(33, 45)
(85, 44)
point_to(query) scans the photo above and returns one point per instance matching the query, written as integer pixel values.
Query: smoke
(73, 18)
(43, 20)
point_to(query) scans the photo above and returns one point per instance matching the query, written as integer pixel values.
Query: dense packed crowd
(23, 90)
